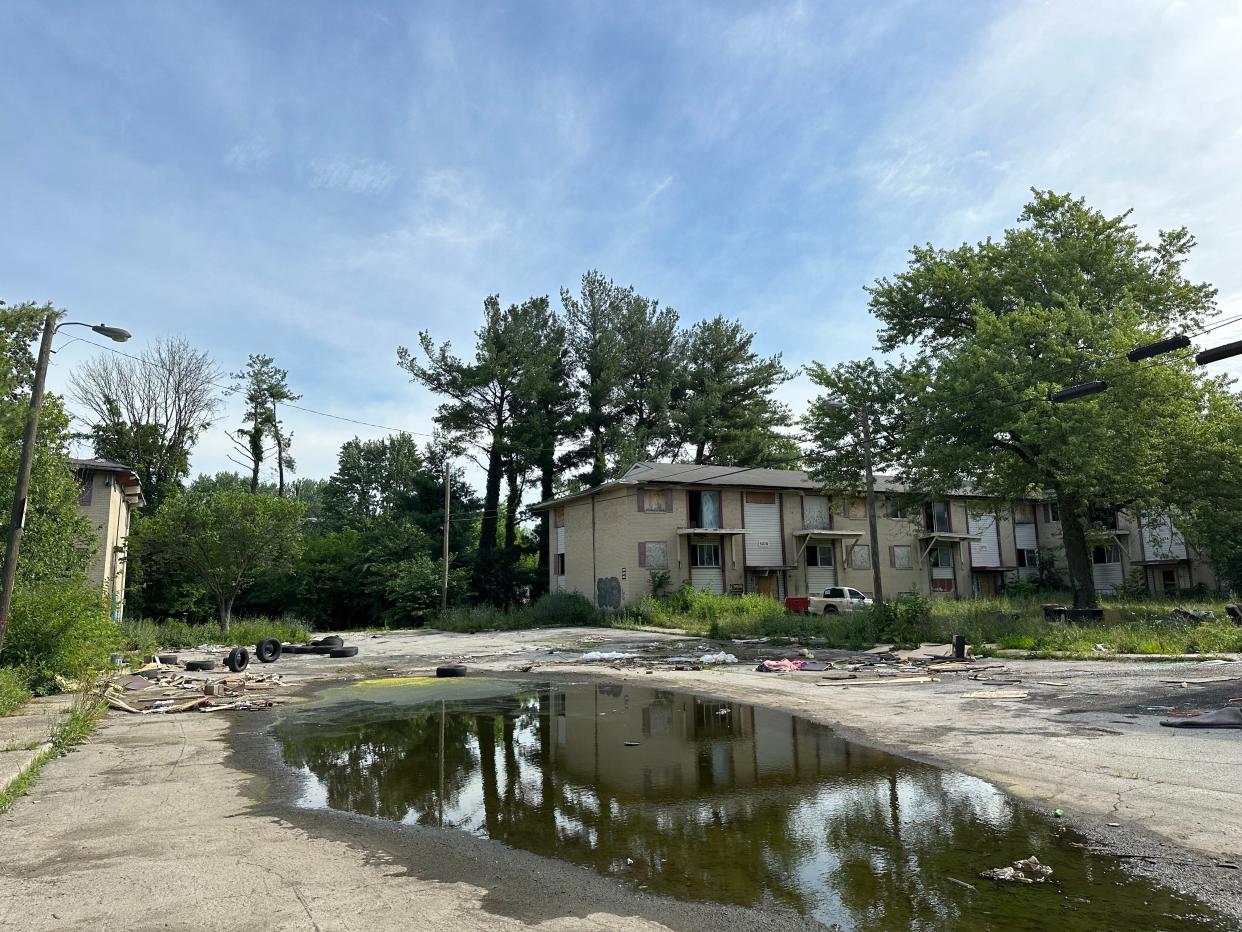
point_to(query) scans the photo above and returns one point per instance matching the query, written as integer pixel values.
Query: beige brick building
(774, 532)
(107, 494)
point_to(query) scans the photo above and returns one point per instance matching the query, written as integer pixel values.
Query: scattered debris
(996, 694)
(886, 681)
(720, 657)
(1228, 717)
(962, 883)
(607, 655)
(1028, 870)
(780, 666)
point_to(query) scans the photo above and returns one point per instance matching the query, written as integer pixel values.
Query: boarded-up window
(558, 516)
(815, 513)
(899, 556)
(761, 498)
(86, 487)
(656, 500)
(653, 555)
(860, 557)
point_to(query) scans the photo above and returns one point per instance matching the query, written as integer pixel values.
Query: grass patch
(74, 729)
(14, 690)
(1142, 627)
(555, 610)
(145, 636)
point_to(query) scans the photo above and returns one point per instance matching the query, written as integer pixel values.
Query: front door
(766, 585)
(1168, 580)
(985, 585)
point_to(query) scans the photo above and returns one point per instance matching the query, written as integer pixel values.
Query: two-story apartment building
(774, 532)
(107, 495)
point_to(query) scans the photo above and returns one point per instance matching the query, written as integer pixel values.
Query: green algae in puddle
(703, 799)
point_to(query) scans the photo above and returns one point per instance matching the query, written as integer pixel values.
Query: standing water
(703, 799)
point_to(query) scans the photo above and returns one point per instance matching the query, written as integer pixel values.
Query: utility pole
(864, 417)
(17, 522)
(447, 505)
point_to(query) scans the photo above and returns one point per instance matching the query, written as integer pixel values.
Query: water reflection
(703, 799)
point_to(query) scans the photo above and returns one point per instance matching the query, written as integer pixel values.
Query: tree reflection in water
(701, 800)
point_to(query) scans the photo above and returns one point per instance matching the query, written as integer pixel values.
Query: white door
(986, 550)
(819, 577)
(762, 516)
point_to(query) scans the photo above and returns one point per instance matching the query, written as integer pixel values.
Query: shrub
(59, 629)
(564, 610)
(14, 690)
(146, 636)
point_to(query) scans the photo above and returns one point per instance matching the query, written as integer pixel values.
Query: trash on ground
(780, 666)
(880, 681)
(607, 655)
(1228, 717)
(720, 657)
(1028, 870)
(996, 694)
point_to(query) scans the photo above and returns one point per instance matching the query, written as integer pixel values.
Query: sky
(320, 181)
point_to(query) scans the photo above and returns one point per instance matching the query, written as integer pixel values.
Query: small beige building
(107, 494)
(774, 532)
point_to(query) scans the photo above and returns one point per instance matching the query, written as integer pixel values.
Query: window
(704, 509)
(704, 554)
(86, 487)
(819, 556)
(560, 564)
(657, 500)
(897, 510)
(941, 557)
(816, 513)
(938, 518)
(900, 556)
(835, 592)
(1052, 514)
(653, 555)
(1028, 559)
(1108, 554)
(761, 498)
(855, 594)
(558, 516)
(860, 556)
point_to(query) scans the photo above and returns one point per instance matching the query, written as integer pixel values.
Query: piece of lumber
(894, 681)
(996, 694)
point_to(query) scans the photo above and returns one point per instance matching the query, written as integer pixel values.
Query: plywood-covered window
(558, 516)
(815, 512)
(655, 500)
(900, 556)
(860, 557)
(653, 555)
(761, 498)
(86, 488)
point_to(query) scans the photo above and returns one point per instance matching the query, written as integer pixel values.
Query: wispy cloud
(249, 156)
(363, 176)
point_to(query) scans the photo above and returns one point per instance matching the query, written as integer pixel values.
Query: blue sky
(319, 181)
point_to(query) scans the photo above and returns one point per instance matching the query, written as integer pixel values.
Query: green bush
(59, 629)
(144, 636)
(564, 610)
(14, 690)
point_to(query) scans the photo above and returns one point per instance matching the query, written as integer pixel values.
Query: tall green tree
(149, 412)
(591, 324)
(265, 387)
(652, 353)
(226, 539)
(1055, 301)
(728, 414)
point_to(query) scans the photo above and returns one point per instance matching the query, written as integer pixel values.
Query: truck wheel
(831, 610)
(238, 659)
(267, 650)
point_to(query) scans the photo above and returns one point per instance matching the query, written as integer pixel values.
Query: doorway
(766, 585)
(1168, 581)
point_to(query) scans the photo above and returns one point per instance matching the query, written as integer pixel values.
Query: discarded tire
(267, 650)
(324, 648)
(167, 658)
(198, 666)
(451, 669)
(237, 660)
(330, 641)
(298, 649)
(344, 652)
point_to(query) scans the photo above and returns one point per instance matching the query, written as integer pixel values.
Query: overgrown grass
(555, 610)
(14, 690)
(146, 636)
(1137, 627)
(75, 728)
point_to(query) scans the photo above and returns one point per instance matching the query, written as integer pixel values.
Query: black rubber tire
(238, 659)
(167, 658)
(199, 666)
(322, 649)
(344, 652)
(268, 650)
(298, 649)
(831, 610)
(451, 669)
(330, 641)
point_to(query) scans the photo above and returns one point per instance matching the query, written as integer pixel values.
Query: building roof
(127, 476)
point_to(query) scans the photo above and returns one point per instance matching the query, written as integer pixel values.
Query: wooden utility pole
(447, 506)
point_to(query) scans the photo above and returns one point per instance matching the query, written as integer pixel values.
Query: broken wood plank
(996, 694)
(894, 681)
(115, 703)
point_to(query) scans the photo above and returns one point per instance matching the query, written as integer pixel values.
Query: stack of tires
(331, 646)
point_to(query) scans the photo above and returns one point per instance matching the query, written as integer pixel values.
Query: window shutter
(642, 554)
(668, 500)
(892, 556)
(640, 501)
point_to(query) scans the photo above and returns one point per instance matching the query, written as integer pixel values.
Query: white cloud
(363, 176)
(249, 156)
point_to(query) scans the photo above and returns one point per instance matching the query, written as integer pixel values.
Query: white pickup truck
(837, 600)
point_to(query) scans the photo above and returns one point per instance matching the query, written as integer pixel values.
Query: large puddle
(702, 799)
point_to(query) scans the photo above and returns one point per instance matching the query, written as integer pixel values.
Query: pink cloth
(781, 666)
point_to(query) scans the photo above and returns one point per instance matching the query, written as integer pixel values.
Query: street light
(864, 422)
(18, 520)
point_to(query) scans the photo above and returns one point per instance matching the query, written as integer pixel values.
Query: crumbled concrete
(24, 735)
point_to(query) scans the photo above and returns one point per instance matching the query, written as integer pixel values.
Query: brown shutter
(640, 501)
(668, 500)
(642, 554)
(892, 556)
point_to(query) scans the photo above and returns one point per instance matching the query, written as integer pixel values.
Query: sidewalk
(24, 735)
